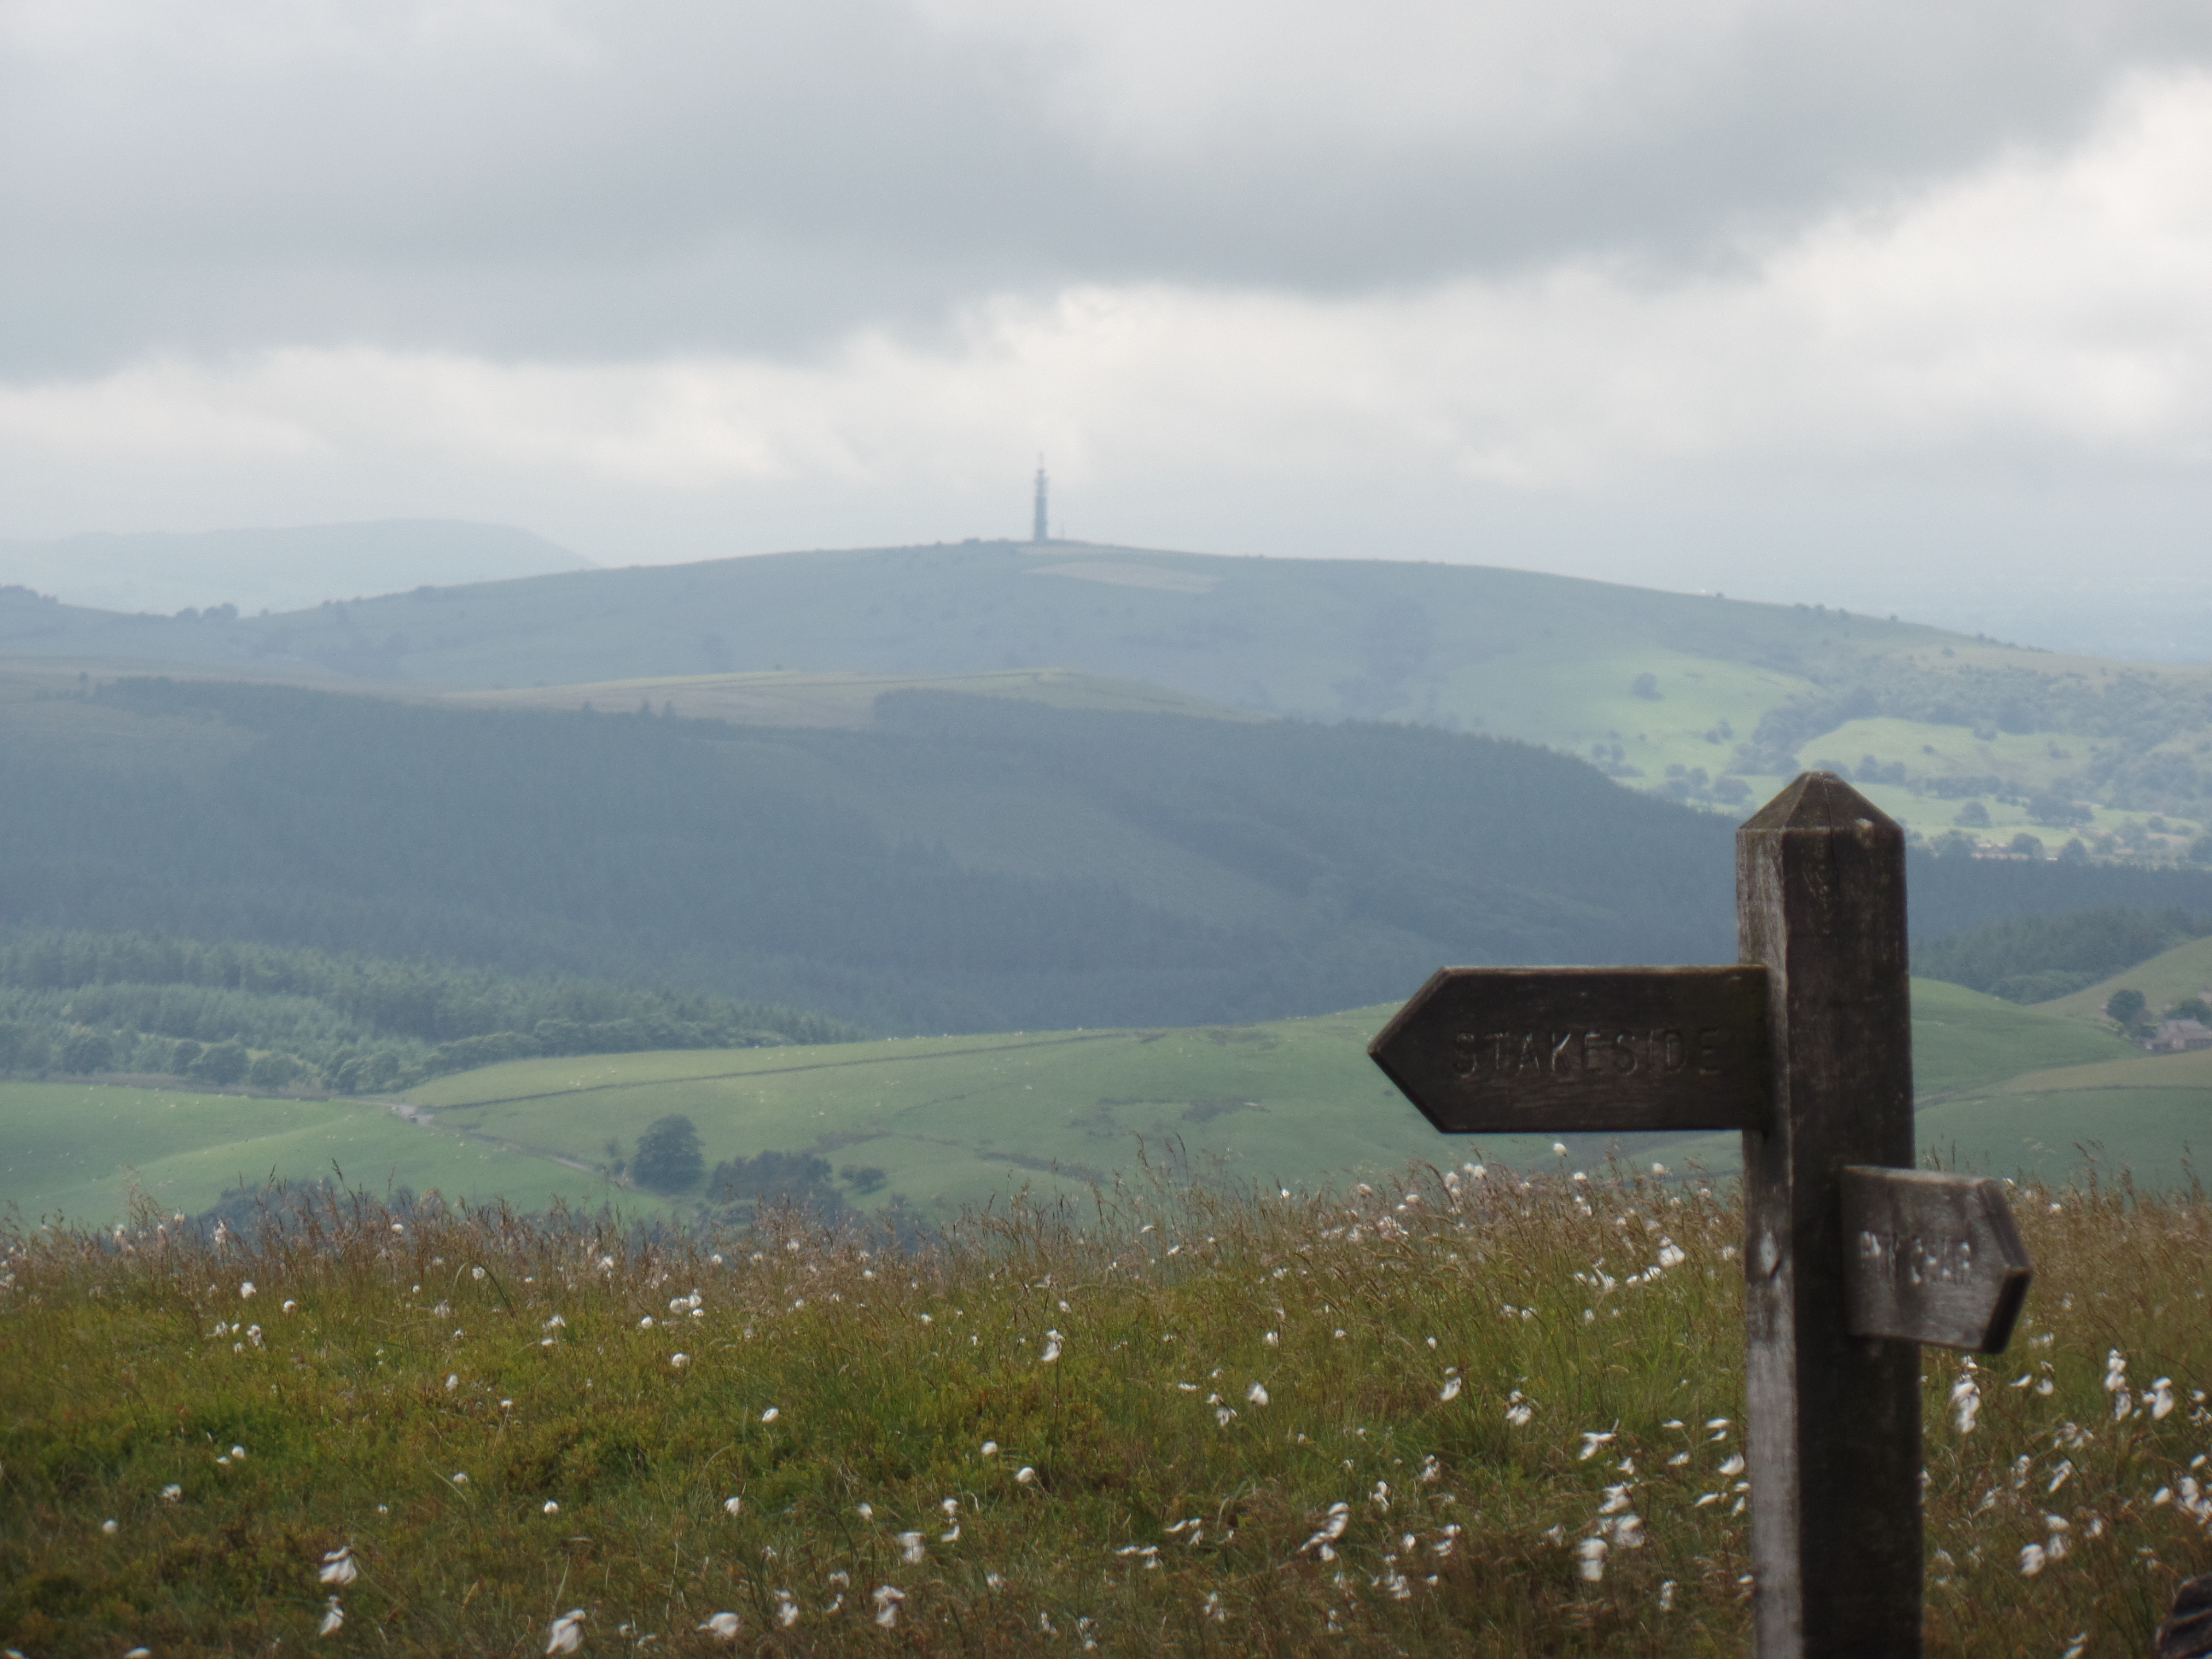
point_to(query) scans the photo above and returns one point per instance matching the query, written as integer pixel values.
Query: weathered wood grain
(1934, 1258)
(1851, 1258)
(1528, 1050)
(1832, 1419)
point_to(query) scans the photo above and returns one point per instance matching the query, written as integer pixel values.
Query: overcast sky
(1867, 303)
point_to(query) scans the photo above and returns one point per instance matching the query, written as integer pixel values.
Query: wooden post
(1833, 1420)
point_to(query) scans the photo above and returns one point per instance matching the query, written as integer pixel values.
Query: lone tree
(2125, 1007)
(668, 1158)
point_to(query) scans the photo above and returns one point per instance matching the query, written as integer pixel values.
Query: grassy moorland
(1467, 1414)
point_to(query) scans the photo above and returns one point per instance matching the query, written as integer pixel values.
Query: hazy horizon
(1899, 308)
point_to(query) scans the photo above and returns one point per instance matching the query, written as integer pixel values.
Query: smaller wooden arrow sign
(1932, 1258)
(1546, 1050)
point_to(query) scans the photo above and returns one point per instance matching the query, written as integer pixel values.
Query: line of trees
(272, 1017)
(2034, 958)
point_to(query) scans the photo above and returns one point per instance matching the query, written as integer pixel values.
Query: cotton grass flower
(1966, 1402)
(339, 1566)
(771, 1413)
(679, 1361)
(1052, 1347)
(333, 1619)
(1450, 1390)
(1256, 1395)
(887, 1598)
(911, 1548)
(787, 1609)
(735, 1505)
(1024, 1476)
(552, 1508)
(173, 1494)
(1340, 1518)
(109, 1528)
(245, 1291)
(1590, 1560)
(1591, 1441)
(567, 1633)
(724, 1627)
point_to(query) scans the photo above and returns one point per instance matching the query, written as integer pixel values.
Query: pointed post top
(1820, 800)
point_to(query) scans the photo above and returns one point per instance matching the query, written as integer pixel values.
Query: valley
(937, 1126)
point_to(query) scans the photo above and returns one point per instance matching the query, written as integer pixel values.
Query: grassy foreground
(1472, 1415)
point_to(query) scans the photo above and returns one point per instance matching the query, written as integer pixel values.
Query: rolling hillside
(947, 1122)
(2184, 971)
(961, 862)
(965, 863)
(74, 1151)
(1709, 698)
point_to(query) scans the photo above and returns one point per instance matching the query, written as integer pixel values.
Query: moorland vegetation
(1470, 1413)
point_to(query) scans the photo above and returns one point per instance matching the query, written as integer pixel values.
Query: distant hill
(2179, 972)
(966, 863)
(961, 862)
(1704, 698)
(275, 569)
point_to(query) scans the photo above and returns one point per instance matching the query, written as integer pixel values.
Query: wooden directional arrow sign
(1536, 1050)
(1932, 1258)
(1851, 1257)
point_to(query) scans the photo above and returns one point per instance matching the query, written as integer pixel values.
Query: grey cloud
(606, 179)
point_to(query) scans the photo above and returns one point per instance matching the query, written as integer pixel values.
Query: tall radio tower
(1040, 529)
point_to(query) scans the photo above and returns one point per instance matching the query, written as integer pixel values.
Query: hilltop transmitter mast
(1039, 531)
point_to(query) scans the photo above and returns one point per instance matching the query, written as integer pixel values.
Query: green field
(2165, 980)
(955, 1123)
(792, 698)
(77, 1153)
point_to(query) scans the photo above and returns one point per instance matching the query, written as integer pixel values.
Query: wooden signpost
(1852, 1258)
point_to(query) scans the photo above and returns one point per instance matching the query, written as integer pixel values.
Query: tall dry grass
(1478, 1413)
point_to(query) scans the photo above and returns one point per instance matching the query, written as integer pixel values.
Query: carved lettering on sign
(1913, 1260)
(1932, 1257)
(1482, 1050)
(1584, 1053)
